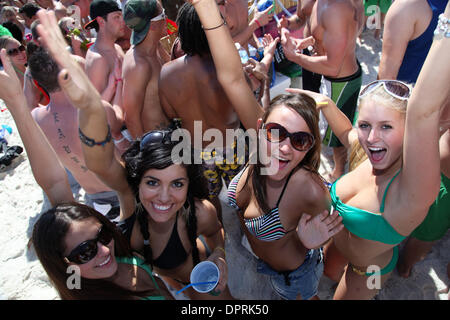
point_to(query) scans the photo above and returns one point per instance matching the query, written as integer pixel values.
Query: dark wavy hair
(44, 69)
(48, 237)
(190, 31)
(159, 156)
(305, 106)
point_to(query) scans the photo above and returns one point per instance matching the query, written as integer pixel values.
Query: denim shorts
(304, 280)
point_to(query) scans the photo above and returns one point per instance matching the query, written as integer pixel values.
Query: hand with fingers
(72, 78)
(10, 86)
(269, 44)
(321, 99)
(263, 17)
(283, 23)
(314, 232)
(290, 44)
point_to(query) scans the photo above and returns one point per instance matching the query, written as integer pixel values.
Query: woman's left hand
(314, 232)
(217, 258)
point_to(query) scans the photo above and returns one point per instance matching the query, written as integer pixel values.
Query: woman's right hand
(72, 78)
(321, 99)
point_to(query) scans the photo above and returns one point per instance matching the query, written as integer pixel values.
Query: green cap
(137, 15)
(4, 31)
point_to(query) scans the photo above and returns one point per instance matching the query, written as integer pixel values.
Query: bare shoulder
(309, 187)
(207, 219)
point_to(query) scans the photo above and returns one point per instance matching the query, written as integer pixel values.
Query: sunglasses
(87, 250)
(14, 52)
(160, 16)
(301, 141)
(155, 137)
(395, 88)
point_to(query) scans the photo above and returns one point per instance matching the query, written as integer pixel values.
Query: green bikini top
(140, 263)
(365, 224)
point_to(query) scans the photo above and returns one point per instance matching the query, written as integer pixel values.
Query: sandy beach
(21, 201)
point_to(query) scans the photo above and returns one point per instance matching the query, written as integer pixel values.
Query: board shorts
(344, 92)
(216, 167)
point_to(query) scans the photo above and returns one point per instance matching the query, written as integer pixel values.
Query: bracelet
(91, 142)
(116, 142)
(257, 22)
(222, 249)
(222, 24)
(442, 29)
(117, 80)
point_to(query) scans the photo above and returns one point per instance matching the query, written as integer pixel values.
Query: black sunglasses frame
(155, 137)
(283, 134)
(14, 52)
(79, 256)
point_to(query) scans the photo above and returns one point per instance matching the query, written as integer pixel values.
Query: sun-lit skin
(104, 264)
(283, 156)
(163, 192)
(20, 59)
(380, 133)
(115, 24)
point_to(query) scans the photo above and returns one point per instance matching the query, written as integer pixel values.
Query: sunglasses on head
(160, 16)
(14, 52)
(155, 137)
(395, 88)
(87, 250)
(300, 140)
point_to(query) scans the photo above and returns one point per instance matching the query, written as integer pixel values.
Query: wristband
(213, 28)
(91, 142)
(257, 22)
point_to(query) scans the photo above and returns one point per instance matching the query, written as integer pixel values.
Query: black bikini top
(173, 254)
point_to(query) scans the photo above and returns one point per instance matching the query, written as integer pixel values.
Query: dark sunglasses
(301, 141)
(88, 249)
(395, 88)
(14, 52)
(155, 137)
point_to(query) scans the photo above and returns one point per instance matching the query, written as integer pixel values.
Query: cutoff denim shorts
(303, 280)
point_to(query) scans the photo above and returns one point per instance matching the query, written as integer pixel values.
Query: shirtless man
(333, 26)
(104, 57)
(59, 122)
(142, 66)
(189, 90)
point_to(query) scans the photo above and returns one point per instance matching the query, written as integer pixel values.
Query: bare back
(189, 90)
(59, 122)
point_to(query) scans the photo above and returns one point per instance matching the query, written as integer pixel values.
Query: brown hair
(48, 241)
(305, 106)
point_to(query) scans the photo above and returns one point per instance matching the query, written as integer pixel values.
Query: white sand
(21, 200)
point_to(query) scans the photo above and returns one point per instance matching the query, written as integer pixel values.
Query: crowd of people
(98, 99)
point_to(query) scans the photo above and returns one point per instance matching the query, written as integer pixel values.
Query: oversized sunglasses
(87, 250)
(395, 88)
(160, 16)
(14, 52)
(155, 137)
(300, 140)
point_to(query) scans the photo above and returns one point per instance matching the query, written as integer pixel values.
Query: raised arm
(227, 62)
(420, 177)
(337, 120)
(47, 170)
(92, 115)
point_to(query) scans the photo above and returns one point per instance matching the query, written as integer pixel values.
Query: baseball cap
(100, 8)
(137, 15)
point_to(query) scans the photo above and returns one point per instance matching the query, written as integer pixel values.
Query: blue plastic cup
(207, 275)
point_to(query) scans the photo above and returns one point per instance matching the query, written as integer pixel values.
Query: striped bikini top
(267, 227)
